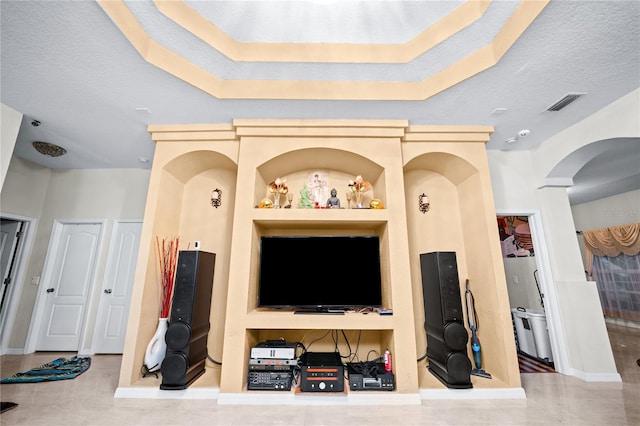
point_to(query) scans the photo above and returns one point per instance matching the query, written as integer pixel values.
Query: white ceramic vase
(157, 347)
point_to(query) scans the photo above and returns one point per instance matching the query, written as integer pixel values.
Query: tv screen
(320, 272)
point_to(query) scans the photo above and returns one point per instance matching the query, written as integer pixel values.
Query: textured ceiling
(69, 66)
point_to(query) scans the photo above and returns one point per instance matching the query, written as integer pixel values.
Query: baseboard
(259, 398)
(157, 393)
(499, 393)
(288, 398)
(597, 377)
(14, 351)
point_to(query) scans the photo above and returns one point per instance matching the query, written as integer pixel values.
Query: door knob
(50, 290)
(107, 290)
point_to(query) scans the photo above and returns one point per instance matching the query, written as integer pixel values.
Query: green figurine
(305, 199)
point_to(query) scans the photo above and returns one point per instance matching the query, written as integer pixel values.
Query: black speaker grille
(174, 368)
(455, 336)
(178, 335)
(458, 368)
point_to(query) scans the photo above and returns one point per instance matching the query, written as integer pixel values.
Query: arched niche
(192, 176)
(458, 220)
(341, 166)
(183, 209)
(185, 166)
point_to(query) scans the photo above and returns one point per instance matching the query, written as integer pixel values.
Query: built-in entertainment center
(273, 261)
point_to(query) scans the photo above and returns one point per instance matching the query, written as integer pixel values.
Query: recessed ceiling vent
(566, 100)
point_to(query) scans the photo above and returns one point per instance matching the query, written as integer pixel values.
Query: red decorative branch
(167, 259)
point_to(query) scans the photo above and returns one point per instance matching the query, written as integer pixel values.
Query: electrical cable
(316, 340)
(213, 360)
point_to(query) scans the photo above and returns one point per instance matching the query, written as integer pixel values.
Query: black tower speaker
(444, 320)
(189, 325)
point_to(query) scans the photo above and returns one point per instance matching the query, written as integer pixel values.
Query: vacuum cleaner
(475, 342)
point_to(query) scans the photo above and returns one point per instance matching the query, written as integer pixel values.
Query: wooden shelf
(288, 320)
(317, 218)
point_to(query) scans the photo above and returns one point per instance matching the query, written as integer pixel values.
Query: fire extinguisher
(387, 361)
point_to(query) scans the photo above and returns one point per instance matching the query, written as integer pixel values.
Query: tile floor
(551, 399)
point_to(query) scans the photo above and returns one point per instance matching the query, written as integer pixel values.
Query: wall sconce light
(423, 203)
(216, 198)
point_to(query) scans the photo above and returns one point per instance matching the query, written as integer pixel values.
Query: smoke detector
(524, 133)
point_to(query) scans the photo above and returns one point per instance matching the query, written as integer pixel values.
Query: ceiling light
(498, 111)
(35, 123)
(46, 148)
(511, 140)
(524, 133)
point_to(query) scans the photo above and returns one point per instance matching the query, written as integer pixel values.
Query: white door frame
(38, 310)
(551, 307)
(15, 290)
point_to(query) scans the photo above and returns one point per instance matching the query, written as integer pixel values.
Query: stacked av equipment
(447, 336)
(321, 372)
(271, 366)
(189, 325)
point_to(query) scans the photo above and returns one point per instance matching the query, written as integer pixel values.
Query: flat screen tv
(320, 273)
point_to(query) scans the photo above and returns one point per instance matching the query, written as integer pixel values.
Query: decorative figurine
(318, 187)
(333, 201)
(305, 201)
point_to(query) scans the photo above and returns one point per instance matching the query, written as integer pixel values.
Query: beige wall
(107, 194)
(620, 209)
(10, 120)
(518, 180)
(518, 185)
(521, 282)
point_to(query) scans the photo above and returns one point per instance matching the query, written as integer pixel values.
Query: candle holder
(349, 196)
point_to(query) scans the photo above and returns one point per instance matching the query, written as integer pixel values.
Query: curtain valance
(611, 242)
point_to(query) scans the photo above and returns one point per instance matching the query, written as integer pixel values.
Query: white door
(113, 313)
(68, 286)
